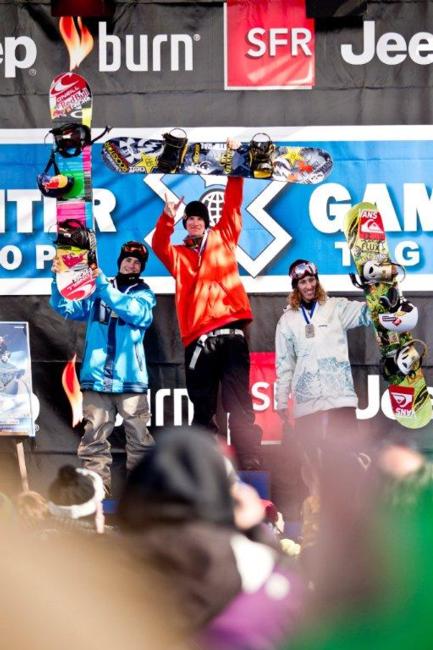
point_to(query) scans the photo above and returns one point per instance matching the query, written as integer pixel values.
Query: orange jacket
(209, 292)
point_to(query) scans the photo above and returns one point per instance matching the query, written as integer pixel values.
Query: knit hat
(75, 493)
(134, 249)
(182, 478)
(300, 269)
(196, 209)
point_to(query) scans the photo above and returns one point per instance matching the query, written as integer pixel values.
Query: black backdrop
(375, 93)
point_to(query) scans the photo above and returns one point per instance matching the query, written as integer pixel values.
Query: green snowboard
(400, 356)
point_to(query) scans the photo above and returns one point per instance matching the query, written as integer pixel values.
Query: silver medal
(309, 330)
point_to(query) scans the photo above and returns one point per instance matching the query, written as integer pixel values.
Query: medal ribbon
(304, 313)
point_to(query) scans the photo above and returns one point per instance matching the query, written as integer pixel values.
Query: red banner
(268, 45)
(262, 382)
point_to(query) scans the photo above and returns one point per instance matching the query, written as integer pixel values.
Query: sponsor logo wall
(204, 54)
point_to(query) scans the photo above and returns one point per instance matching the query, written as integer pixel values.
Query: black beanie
(142, 258)
(196, 209)
(293, 265)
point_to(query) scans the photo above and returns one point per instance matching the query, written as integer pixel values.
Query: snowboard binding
(71, 138)
(72, 233)
(406, 360)
(375, 273)
(260, 156)
(173, 153)
(54, 186)
(400, 315)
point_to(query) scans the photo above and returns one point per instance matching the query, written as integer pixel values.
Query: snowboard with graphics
(393, 317)
(256, 159)
(71, 113)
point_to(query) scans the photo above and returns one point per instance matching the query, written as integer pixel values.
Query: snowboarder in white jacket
(312, 357)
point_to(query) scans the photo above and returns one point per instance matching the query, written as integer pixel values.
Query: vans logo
(402, 398)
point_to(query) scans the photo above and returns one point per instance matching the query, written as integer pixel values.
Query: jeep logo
(391, 48)
(16, 53)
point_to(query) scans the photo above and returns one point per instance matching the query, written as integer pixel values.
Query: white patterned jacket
(316, 371)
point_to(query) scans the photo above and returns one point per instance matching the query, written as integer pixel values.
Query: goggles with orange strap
(135, 248)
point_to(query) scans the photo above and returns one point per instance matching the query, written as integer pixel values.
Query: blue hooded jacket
(113, 358)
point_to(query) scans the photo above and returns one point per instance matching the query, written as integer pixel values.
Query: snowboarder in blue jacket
(113, 375)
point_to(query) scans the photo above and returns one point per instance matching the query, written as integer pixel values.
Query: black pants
(331, 443)
(323, 425)
(224, 360)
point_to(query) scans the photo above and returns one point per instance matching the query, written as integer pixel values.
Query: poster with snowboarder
(16, 417)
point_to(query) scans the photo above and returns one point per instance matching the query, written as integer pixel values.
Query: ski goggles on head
(303, 269)
(134, 248)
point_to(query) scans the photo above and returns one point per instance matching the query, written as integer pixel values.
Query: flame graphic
(71, 387)
(78, 39)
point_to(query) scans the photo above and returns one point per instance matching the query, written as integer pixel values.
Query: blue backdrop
(281, 222)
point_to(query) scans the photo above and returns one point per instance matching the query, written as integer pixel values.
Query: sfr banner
(262, 383)
(269, 45)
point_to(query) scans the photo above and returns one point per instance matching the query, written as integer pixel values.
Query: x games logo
(254, 252)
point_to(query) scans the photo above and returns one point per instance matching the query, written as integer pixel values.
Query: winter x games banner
(282, 222)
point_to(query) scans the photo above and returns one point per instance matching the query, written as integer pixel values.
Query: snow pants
(100, 410)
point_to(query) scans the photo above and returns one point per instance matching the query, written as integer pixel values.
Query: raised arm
(353, 313)
(162, 235)
(230, 223)
(133, 308)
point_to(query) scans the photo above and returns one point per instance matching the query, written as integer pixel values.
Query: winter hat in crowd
(300, 269)
(75, 493)
(134, 249)
(182, 478)
(196, 209)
